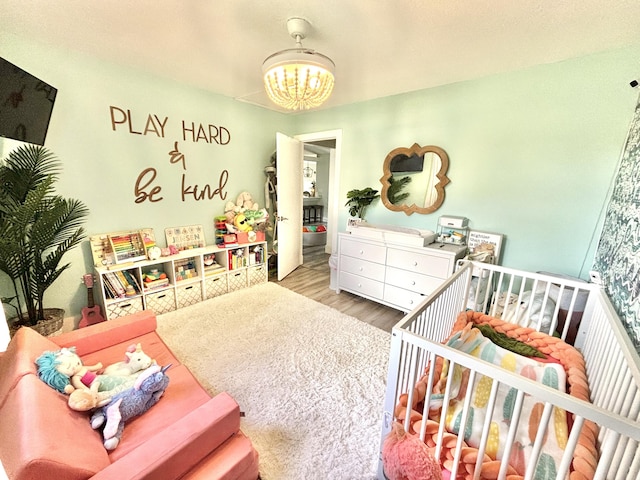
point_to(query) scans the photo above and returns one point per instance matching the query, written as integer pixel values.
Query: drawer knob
(415, 264)
(413, 283)
(359, 285)
(361, 252)
(361, 269)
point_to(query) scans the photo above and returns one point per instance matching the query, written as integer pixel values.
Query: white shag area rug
(310, 379)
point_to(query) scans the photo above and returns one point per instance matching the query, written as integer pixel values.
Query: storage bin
(258, 275)
(124, 307)
(314, 239)
(188, 294)
(161, 302)
(215, 286)
(237, 279)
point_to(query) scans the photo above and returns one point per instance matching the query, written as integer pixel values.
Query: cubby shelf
(180, 280)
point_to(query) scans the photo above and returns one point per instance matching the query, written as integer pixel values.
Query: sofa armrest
(174, 451)
(105, 334)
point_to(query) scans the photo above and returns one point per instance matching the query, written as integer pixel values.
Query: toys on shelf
(185, 269)
(221, 229)
(211, 265)
(185, 238)
(245, 215)
(154, 279)
(179, 277)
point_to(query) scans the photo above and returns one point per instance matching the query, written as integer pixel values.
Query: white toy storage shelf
(179, 280)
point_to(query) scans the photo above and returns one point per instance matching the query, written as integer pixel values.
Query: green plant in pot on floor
(37, 228)
(359, 200)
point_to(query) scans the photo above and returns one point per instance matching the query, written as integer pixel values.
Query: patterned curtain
(618, 255)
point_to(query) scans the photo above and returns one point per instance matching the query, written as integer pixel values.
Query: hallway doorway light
(298, 78)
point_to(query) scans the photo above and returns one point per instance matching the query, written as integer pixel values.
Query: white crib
(612, 363)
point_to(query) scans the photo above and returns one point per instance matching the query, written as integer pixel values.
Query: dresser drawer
(360, 285)
(413, 281)
(364, 268)
(365, 251)
(407, 260)
(404, 299)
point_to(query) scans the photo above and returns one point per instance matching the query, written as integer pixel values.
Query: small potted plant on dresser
(359, 200)
(37, 228)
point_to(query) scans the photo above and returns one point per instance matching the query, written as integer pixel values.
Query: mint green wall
(532, 152)
(100, 165)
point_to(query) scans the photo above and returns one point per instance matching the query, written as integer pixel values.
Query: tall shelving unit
(180, 280)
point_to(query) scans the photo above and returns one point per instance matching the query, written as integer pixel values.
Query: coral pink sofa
(186, 435)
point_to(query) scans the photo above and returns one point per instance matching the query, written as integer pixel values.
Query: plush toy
(256, 217)
(83, 400)
(130, 403)
(406, 457)
(245, 202)
(116, 378)
(135, 360)
(64, 371)
(242, 215)
(241, 223)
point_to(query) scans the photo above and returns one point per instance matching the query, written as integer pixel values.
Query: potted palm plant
(37, 228)
(359, 200)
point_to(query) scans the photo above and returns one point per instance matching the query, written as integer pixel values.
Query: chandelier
(298, 78)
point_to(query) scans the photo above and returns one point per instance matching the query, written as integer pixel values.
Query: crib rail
(572, 309)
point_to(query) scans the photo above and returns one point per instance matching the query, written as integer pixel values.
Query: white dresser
(396, 275)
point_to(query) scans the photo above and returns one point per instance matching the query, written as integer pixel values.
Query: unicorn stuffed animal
(130, 403)
(135, 361)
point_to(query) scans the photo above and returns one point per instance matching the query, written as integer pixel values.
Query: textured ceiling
(380, 48)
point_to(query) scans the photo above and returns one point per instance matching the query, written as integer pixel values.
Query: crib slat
(463, 422)
(513, 428)
(572, 442)
(482, 447)
(539, 440)
(634, 468)
(443, 418)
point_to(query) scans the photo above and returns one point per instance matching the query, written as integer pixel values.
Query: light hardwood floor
(312, 280)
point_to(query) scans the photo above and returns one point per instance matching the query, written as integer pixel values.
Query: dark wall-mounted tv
(26, 103)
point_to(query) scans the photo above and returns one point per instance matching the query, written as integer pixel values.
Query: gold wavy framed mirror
(414, 178)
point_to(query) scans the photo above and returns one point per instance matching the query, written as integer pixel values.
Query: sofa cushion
(19, 359)
(176, 450)
(43, 438)
(235, 459)
(183, 395)
(104, 334)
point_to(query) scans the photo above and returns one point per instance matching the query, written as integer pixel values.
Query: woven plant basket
(586, 454)
(49, 327)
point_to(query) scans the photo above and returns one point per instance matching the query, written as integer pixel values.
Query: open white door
(289, 155)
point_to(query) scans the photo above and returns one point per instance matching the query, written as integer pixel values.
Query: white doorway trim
(333, 195)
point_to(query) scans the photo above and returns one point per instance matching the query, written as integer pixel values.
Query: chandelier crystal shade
(298, 78)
